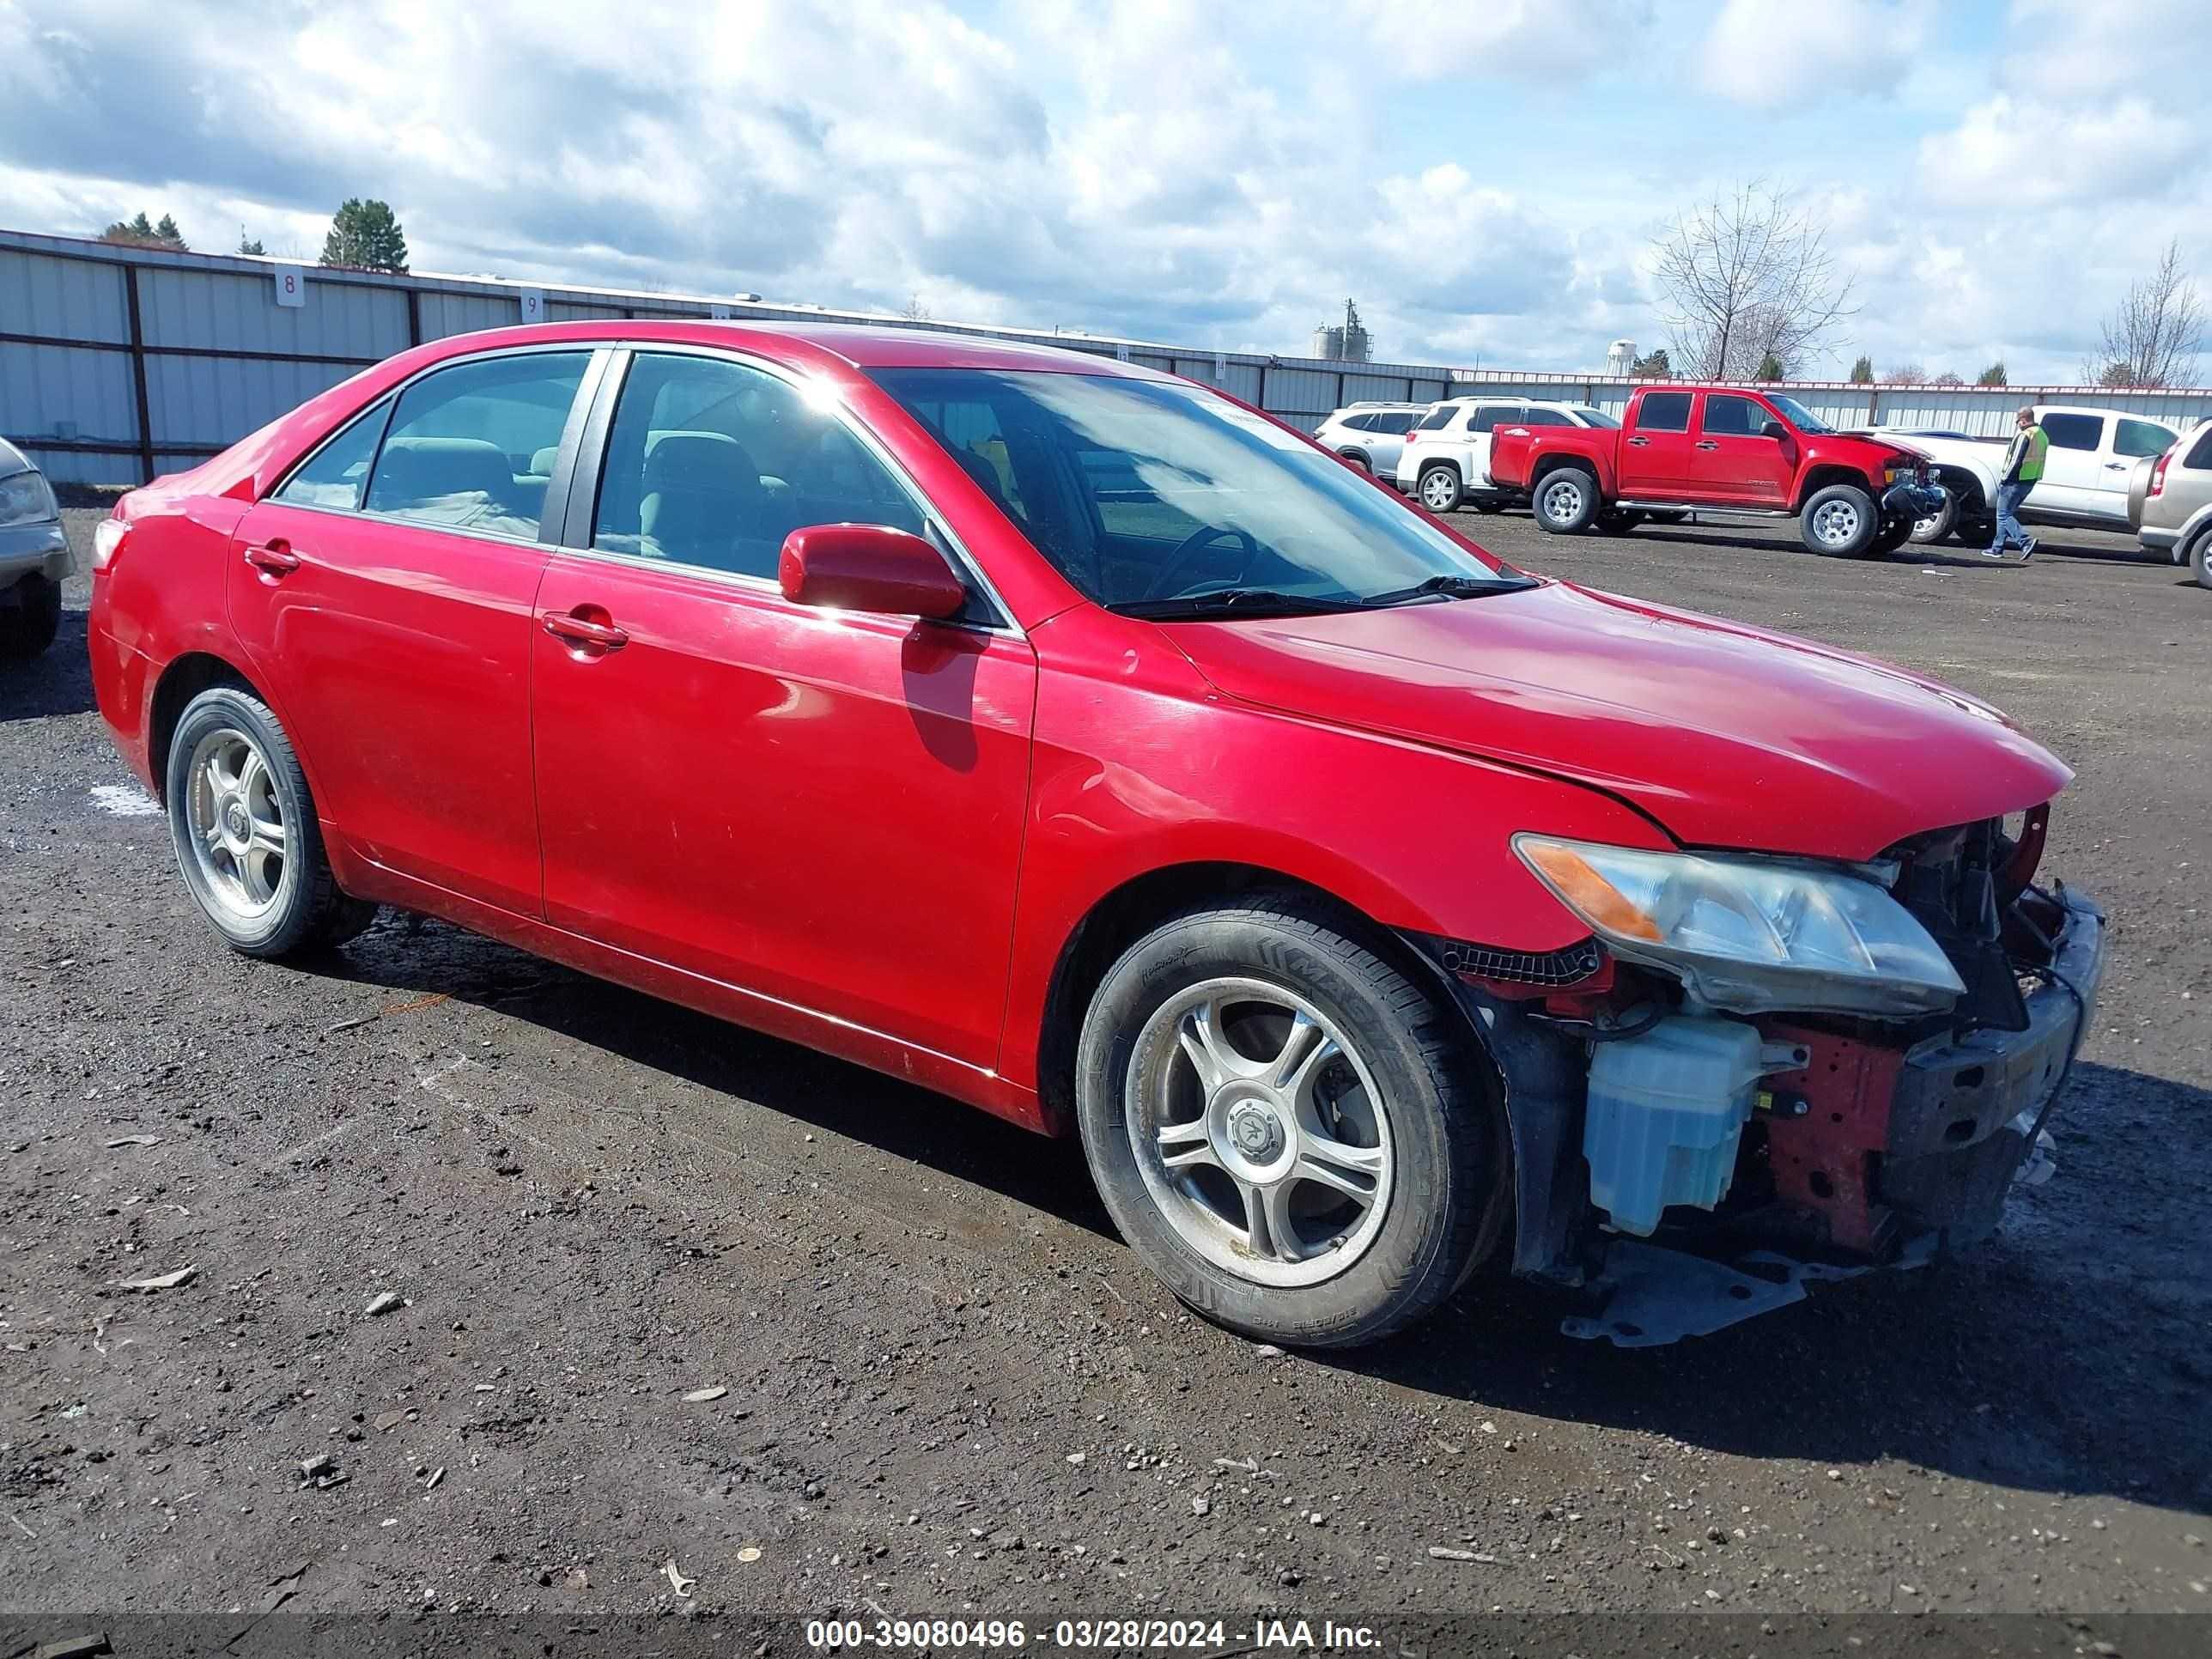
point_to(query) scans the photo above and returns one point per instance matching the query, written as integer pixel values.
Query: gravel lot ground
(950, 1389)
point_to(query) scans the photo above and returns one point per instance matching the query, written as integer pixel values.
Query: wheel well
(1964, 485)
(1354, 454)
(181, 681)
(1134, 909)
(1436, 463)
(1819, 477)
(1548, 465)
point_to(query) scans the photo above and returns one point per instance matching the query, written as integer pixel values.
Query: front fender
(1139, 765)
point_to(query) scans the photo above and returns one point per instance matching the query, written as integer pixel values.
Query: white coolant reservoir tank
(1666, 1111)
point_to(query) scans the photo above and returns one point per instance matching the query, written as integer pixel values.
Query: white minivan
(1446, 460)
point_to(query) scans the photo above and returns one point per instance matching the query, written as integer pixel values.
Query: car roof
(856, 345)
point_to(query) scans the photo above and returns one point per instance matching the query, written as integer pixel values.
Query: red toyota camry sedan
(1084, 744)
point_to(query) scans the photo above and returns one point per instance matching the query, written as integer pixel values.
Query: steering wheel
(1164, 585)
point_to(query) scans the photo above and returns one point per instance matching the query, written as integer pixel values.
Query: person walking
(2023, 470)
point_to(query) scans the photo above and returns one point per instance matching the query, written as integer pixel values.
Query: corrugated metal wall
(117, 362)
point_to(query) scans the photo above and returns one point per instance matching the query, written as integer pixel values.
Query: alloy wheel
(1562, 501)
(236, 819)
(1836, 524)
(1259, 1132)
(1436, 491)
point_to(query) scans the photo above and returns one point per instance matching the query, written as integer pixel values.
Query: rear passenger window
(472, 447)
(2074, 431)
(712, 464)
(1664, 412)
(334, 474)
(2141, 438)
(1394, 424)
(1544, 417)
(1488, 417)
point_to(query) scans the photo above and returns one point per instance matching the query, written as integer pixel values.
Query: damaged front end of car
(1759, 1074)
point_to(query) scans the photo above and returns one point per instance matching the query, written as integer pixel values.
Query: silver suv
(1370, 435)
(2170, 502)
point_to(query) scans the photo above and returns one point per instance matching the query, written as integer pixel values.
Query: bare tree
(1904, 374)
(2154, 338)
(1744, 276)
(913, 310)
(1949, 378)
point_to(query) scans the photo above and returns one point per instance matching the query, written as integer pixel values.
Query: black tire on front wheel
(1939, 524)
(306, 910)
(1838, 522)
(28, 625)
(1890, 537)
(1447, 1171)
(1565, 501)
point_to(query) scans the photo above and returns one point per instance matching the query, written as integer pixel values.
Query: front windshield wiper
(1450, 587)
(1252, 600)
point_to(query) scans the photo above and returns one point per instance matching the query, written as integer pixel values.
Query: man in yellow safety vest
(2023, 470)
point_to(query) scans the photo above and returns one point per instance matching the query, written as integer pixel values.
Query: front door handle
(2115, 466)
(277, 559)
(583, 632)
(1638, 443)
(1707, 443)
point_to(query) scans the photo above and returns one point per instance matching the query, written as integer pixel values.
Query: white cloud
(1769, 53)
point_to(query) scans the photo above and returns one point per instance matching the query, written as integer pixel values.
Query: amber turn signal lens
(1580, 884)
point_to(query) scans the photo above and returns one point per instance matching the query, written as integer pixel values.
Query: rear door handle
(581, 630)
(1638, 443)
(2115, 466)
(1707, 443)
(275, 560)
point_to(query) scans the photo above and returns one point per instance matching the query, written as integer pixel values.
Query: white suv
(1370, 435)
(1446, 458)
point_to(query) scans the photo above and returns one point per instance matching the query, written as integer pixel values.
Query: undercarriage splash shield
(1653, 1295)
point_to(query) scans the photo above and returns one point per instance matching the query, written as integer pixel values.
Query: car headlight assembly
(25, 499)
(1751, 935)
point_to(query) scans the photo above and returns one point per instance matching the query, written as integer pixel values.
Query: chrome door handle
(1639, 443)
(1707, 443)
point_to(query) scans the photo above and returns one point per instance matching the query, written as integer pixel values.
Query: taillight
(2158, 472)
(108, 540)
(1410, 436)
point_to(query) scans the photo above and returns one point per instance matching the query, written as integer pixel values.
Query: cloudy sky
(1485, 176)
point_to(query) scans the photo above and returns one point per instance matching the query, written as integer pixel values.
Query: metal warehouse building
(116, 363)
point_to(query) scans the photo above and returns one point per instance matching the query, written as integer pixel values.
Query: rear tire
(1440, 487)
(1838, 522)
(1566, 501)
(28, 627)
(1183, 1057)
(1618, 520)
(246, 833)
(2200, 559)
(1890, 537)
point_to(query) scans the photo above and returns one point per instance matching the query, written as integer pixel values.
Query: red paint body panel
(1728, 735)
(877, 835)
(401, 652)
(823, 805)
(1824, 1162)
(1669, 467)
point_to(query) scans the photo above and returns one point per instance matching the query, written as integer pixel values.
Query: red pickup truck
(1728, 447)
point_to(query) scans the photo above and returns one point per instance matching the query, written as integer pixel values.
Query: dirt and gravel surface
(657, 1291)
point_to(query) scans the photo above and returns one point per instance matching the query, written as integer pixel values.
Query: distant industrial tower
(1620, 358)
(1344, 343)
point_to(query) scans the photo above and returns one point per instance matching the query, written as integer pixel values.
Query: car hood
(1728, 736)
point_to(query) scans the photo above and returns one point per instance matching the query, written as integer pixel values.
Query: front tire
(246, 833)
(1890, 537)
(1939, 524)
(1839, 522)
(1566, 501)
(28, 626)
(1297, 1140)
(1440, 487)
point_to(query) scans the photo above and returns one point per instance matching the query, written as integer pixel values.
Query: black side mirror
(1775, 430)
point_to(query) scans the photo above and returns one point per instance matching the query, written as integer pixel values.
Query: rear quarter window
(1664, 412)
(2200, 454)
(1438, 417)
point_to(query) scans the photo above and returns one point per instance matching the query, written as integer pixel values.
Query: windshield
(1590, 416)
(1141, 493)
(1800, 417)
